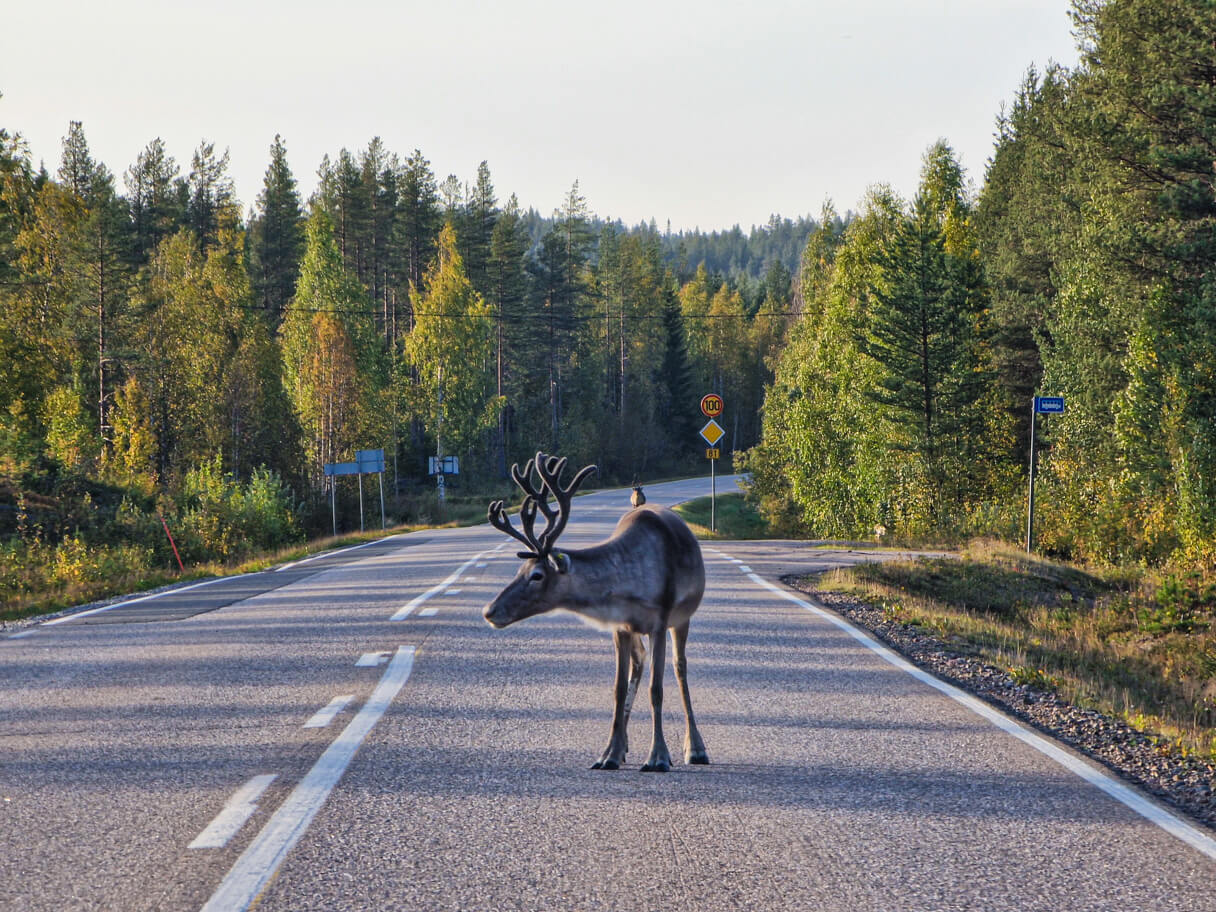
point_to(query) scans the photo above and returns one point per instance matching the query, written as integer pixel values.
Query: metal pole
(360, 501)
(383, 524)
(1030, 507)
(439, 439)
(333, 501)
(713, 496)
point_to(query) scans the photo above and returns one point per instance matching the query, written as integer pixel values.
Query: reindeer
(637, 498)
(646, 579)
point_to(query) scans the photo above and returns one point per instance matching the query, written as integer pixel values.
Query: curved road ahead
(348, 734)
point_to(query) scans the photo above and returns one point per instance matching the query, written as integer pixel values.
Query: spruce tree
(277, 236)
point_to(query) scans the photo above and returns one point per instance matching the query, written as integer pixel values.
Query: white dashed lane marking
(228, 822)
(322, 717)
(258, 863)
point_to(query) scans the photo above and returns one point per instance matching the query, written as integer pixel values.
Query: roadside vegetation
(119, 542)
(1134, 643)
(735, 518)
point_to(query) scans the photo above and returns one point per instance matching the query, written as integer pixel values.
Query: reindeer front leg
(618, 742)
(659, 760)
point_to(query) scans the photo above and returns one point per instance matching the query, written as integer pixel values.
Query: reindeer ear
(561, 561)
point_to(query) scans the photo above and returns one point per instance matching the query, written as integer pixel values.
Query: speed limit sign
(711, 405)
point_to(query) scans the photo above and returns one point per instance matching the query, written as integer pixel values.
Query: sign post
(711, 408)
(1043, 405)
(366, 462)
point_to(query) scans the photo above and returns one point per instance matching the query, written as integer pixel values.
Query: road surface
(350, 734)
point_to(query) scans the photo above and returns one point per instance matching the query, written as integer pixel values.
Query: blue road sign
(370, 461)
(1049, 405)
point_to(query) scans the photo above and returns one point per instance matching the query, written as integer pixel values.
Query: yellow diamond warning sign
(712, 432)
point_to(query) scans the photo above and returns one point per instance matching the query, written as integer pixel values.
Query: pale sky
(707, 113)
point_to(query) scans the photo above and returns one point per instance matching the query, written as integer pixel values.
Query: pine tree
(558, 287)
(418, 218)
(925, 329)
(477, 229)
(507, 289)
(83, 250)
(154, 198)
(212, 197)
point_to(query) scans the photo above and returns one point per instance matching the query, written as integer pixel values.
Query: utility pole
(439, 439)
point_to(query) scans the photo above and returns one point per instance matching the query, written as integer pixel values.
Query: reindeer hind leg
(694, 747)
(637, 664)
(659, 760)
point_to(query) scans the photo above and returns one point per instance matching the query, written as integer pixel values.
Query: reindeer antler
(527, 516)
(549, 469)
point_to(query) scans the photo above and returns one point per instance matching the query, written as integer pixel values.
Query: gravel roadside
(1186, 783)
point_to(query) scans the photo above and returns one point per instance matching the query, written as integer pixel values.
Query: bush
(228, 521)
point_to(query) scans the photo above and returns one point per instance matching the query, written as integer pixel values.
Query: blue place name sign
(1049, 405)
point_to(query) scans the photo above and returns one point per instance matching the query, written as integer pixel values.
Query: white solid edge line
(1124, 794)
(218, 579)
(142, 598)
(306, 560)
(322, 717)
(406, 610)
(259, 862)
(232, 817)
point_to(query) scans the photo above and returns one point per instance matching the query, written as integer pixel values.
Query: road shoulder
(1185, 783)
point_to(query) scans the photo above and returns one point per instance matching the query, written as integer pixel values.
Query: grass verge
(734, 518)
(1135, 644)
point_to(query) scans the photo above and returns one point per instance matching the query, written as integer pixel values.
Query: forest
(1082, 268)
(168, 360)
(167, 357)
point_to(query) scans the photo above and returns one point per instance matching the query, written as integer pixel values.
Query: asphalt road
(350, 734)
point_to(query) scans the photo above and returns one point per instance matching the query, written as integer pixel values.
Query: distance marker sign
(711, 405)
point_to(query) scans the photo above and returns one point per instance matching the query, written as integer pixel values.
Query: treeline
(751, 262)
(1083, 268)
(151, 334)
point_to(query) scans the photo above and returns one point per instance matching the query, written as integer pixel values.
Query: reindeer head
(532, 590)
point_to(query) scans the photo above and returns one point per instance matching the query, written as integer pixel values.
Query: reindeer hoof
(659, 766)
(608, 764)
(700, 758)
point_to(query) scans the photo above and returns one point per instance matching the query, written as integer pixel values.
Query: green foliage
(881, 415)
(277, 235)
(71, 438)
(334, 369)
(449, 352)
(226, 520)
(137, 341)
(734, 518)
